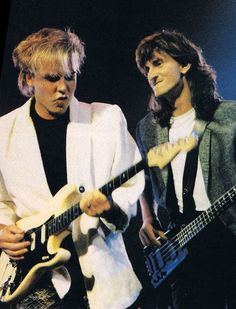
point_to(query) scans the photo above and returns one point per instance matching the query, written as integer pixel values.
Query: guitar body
(17, 278)
(161, 262)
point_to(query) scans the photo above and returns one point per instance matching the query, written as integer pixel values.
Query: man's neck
(183, 103)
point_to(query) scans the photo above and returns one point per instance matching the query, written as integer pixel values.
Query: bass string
(196, 225)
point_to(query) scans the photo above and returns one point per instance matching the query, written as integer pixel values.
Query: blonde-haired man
(52, 140)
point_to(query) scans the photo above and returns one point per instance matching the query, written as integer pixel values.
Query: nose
(152, 75)
(62, 85)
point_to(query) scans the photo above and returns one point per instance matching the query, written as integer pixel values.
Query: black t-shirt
(51, 136)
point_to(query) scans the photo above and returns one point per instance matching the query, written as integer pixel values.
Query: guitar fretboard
(198, 224)
(55, 225)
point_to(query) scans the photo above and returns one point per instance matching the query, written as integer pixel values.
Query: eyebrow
(50, 75)
(159, 56)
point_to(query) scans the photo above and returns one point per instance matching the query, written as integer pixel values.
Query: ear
(29, 79)
(184, 69)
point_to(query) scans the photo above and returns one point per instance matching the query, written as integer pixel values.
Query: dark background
(111, 30)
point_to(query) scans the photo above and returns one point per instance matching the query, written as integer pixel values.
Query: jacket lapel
(163, 137)
(204, 155)
(27, 147)
(78, 145)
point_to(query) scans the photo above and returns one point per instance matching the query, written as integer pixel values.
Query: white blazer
(98, 148)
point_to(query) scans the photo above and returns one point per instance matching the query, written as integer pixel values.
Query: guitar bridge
(161, 263)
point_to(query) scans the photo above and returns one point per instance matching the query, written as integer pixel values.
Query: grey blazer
(217, 152)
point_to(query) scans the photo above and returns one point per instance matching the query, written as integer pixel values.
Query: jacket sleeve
(7, 206)
(126, 154)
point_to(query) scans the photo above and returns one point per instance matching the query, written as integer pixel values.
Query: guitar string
(191, 226)
(194, 225)
(136, 169)
(121, 178)
(50, 222)
(50, 225)
(13, 264)
(197, 224)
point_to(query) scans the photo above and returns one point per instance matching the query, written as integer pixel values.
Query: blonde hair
(49, 47)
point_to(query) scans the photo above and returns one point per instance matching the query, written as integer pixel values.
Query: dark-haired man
(185, 97)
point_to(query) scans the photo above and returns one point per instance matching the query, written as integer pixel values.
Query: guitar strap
(189, 178)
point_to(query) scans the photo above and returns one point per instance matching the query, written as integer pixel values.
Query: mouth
(62, 98)
(157, 82)
(61, 101)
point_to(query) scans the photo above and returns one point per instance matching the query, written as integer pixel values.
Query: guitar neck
(158, 157)
(205, 218)
(122, 178)
(57, 224)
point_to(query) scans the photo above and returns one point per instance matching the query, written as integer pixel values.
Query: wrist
(115, 215)
(148, 219)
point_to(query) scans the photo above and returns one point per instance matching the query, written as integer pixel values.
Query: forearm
(147, 212)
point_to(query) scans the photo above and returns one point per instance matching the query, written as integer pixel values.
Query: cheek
(72, 86)
(174, 76)
(45, 89)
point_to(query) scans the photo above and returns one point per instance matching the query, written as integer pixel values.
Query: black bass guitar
(162, 261)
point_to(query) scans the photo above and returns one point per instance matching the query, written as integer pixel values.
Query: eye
(70, 77)
(156, 62)
(52, 78)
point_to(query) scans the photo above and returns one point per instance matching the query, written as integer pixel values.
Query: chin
(58, 112)
(159, 93)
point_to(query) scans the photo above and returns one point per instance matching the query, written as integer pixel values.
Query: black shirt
(51, 136)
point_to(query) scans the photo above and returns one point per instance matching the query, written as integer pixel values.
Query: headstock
(162, 154)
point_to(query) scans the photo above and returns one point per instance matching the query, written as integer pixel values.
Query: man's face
(53, 92)
(163, 73)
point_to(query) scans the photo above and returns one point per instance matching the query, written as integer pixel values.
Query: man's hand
(94, 203)
(148, 234)
(12, 241)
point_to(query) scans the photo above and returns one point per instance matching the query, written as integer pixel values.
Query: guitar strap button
(81, 189)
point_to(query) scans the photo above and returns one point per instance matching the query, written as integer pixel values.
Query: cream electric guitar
(46, 231)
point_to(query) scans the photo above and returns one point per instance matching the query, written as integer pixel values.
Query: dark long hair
(201, 76)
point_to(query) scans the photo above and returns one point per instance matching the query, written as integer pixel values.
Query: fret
(57, 224)
(65, 218)
(69, 213)
(53, 226)
(122, 178)
(49, 225)
(76, 211)
(198, 224)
